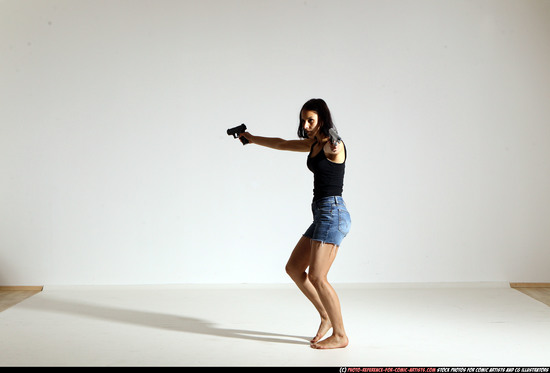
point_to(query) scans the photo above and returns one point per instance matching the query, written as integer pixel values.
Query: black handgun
(334, 136)
(236, 131)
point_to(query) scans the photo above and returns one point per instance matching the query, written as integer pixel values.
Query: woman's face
(310, 121)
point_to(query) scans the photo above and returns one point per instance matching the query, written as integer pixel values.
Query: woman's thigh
(322, 256)
(300, 258)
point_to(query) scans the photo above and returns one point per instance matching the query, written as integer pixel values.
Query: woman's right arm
(280, 144)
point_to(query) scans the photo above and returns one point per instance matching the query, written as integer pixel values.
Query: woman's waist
(328, 200)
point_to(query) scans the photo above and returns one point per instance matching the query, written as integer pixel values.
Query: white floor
(270, 325)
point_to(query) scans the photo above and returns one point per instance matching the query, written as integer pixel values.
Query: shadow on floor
(158, 320)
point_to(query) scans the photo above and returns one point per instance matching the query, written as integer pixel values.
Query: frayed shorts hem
(323, 242)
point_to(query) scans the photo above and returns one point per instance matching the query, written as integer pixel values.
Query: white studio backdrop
(116, 168)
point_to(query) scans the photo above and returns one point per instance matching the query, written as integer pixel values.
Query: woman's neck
(320, 138)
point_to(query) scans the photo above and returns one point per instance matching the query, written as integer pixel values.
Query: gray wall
(116, 168)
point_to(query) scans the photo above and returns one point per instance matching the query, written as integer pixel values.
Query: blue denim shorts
(331, 220)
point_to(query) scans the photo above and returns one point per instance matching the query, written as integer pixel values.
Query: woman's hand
(247, 136)
(332, 148)
(335, 148)
(335, 153)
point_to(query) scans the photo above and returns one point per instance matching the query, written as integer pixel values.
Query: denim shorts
(331, 220)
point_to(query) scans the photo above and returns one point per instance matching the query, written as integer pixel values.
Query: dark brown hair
(319, 106)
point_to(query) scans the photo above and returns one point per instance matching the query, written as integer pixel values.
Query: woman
(318, 246)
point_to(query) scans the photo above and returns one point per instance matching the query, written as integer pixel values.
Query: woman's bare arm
(280, 144)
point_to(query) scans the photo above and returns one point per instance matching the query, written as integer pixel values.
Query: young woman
(319, 244)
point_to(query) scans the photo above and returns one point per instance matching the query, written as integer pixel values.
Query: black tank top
(328, 177)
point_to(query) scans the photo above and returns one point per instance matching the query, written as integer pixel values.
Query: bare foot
(323, 329)
(331, 342)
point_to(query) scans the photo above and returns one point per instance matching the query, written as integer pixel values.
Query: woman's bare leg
(321, 259)
(296, 269)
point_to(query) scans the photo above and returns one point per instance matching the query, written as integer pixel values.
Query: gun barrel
(335, 138)
(236, 131)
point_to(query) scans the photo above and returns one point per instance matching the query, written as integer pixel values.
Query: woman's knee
(317, 280)
(289, 269)
(293, 271)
